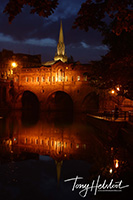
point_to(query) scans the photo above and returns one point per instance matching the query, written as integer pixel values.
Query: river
(41, 152)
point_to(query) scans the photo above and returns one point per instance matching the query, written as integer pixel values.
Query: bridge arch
(30, 101)
(90, 103)
(59, 101)
(26, 100)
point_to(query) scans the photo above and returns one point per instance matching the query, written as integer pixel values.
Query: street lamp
(118, 89)
(14, 64)
(112, 91)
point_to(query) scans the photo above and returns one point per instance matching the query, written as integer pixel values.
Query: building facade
(9, 60)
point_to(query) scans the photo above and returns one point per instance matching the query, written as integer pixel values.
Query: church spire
(60, 55)
(61, 38)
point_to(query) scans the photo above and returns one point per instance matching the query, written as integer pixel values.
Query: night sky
(32, 34)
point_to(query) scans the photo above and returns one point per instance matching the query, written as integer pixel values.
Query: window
(52, 143)
(63, 76)
(53, 78)
(56, 78)
(32, 79)
(16, 79)
(72, 78)
(41, 142)
(84, 146)
(37, 79)
(31, 140)
(59, 78)
(66, 78)
(43, 79)
(77, 146)
(78, 78)
(36, 141)
(59, 144)
(85, 78)
(59, 73)
(27, 79)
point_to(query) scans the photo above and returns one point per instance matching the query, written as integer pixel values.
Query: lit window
(77, 146)
(32, 79)
(84, 146)
(41, 142)
(53, 78)
(66, 67)
(25, 140)
(60, 78)
(52, 143)
(63, 76)
(55, 143)
(48, 78)
(43, 79)
(59, 144)
(78, 78)
(56, 78)
(16, 79)
(85, 78)
(37, 79)
(36, 141)
(66, 78)
(65, 144)
(27, 79)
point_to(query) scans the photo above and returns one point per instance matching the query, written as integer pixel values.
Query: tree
(43, 8)
(94, 13)
(113, 18)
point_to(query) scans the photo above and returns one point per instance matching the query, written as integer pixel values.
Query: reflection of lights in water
(110, 170)
(116, 163)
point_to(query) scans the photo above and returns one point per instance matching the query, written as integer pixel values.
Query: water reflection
(67, 144)
(52, 134)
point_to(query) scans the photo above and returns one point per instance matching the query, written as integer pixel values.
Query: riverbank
(112, 131)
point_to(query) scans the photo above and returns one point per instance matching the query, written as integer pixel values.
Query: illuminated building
(10, 60)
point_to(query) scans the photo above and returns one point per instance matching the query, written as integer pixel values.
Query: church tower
(60, 55)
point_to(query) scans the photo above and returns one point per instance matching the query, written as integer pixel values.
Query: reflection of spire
(58, 169)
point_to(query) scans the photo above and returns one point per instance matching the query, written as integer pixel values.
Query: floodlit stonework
(60, 55)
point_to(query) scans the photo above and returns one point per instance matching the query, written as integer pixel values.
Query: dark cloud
(37, 35)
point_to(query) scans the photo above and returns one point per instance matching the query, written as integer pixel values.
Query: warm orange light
(112, 91)
(116, 162)
(110, 170)
(118, 89)
(14, 64)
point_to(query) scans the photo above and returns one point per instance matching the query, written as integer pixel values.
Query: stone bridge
(61, 86)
